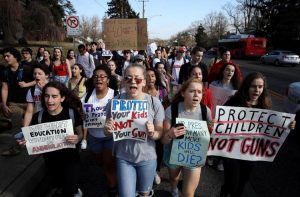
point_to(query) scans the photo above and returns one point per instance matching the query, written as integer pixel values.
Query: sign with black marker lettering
(95, 115)
(48, 137)
(249, 133)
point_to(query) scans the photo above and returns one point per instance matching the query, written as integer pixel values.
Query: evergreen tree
(120, 9)
(201, 37)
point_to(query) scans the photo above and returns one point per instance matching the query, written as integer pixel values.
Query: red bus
(245, 45)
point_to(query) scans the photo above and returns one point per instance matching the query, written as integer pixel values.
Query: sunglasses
(129, 79)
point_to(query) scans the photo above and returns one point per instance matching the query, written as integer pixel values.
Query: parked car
(291, 102)
(279, 57)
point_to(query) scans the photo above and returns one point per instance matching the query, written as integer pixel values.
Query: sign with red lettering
(48, 137)
(249, 133)
(130, 118)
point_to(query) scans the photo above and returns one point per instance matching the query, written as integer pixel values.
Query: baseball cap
(138, 57)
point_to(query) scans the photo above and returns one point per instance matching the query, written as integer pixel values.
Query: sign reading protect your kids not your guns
(191, 150)
(48, 137)
(130, 118)
(95, 115)
(249, 133)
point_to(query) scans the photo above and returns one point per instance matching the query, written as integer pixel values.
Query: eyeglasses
(102, 77)
(129, 79)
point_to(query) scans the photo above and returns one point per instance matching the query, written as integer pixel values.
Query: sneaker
(79, 193)
(157, 179)
(175, 192)
(220, 167)
(83, 144)
(11, 152)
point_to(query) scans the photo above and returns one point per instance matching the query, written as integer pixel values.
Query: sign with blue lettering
(191, 150)
(130, 118)
(95, 115)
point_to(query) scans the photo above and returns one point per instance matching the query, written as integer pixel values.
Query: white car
(280, 57)
(291, 102)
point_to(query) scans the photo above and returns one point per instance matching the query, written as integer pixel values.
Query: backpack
(174, 112)
(71, 115)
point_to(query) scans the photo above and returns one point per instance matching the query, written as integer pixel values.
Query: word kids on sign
(191, 150)
(47, 137)
(95, 115)
(130, 117)
(249, 133)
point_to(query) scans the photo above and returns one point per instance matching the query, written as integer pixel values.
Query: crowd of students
(50, 89)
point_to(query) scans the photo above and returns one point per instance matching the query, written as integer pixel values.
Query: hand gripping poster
(191, 150)
(48, 137)
(130, 118)
(249, 133)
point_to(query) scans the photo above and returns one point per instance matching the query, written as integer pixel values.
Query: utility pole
(143, 6)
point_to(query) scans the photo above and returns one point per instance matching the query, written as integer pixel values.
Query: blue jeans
(135, 177)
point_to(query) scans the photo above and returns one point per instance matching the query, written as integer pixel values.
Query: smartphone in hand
(179, 125)
(19, 136)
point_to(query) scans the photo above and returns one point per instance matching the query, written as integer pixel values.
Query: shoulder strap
(116, 92)
(174, 113)
(72, 116)
(40, 116)
(32, 91)
(88, 95)
(152, 103)
(203, 111)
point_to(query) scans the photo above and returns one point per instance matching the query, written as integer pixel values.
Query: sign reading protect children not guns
(249, 133)
(48, 137)
(130, 117)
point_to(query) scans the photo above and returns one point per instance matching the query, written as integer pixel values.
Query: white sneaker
(83, 144)
(79, 193)
(175, 192)
(157, 179)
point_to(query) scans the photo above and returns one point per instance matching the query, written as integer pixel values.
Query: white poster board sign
(130, 118)
(48, 137)
(249, 133)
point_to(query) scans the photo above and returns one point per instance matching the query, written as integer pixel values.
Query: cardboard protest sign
(219, 96)
(130, 117)
(121, 34)
(191, 150)
(48, 137)
(95, 115)
(249, 133)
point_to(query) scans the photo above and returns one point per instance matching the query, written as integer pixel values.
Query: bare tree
(90, 27)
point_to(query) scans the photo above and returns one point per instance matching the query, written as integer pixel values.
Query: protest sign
(121, 34)
(219, 96)
(95, 115)
(191, 150)
(130, 117)
(249, 133)
(48, 137)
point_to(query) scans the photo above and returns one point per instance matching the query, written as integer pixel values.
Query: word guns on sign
(48, 137)
(130, 118)
(249, 133)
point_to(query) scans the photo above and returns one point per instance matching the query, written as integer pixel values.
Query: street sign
(73, 25)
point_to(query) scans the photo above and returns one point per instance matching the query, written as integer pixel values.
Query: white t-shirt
(36, 99)
(99, 132)
(176, 68)
(87, 61)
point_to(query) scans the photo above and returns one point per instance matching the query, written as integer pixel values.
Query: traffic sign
(73, 26)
